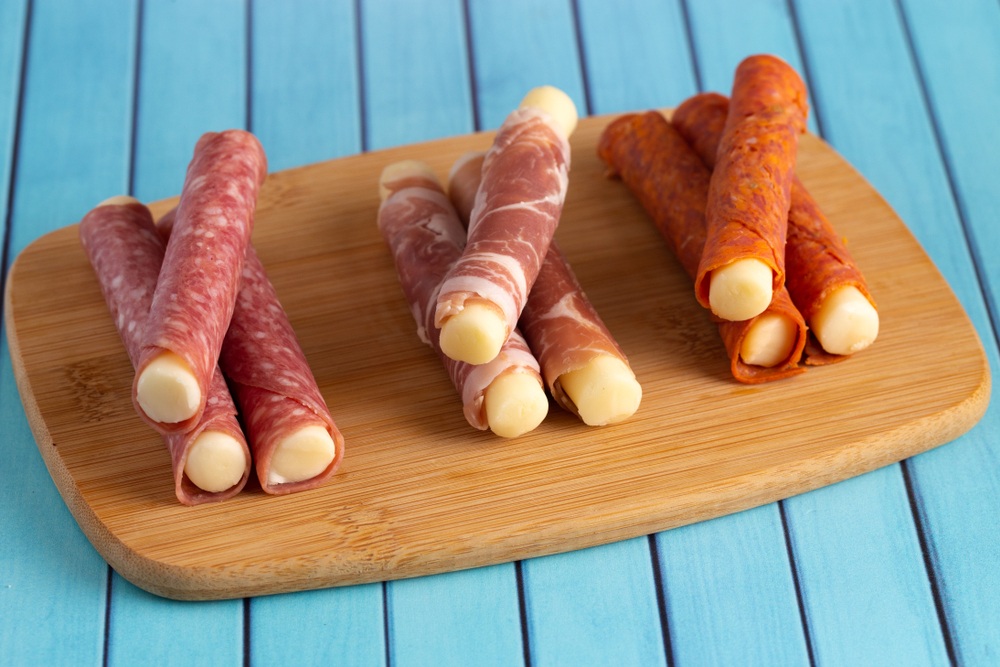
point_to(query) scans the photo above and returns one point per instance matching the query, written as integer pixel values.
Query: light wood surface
(420, 491)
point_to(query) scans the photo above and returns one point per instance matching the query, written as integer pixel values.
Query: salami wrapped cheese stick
(586, 371)
(747, 212)
(425, 237)
(516, 213)
(296, 444)
(671, 183)
(823, 279)
(197, 287)
(211, 462)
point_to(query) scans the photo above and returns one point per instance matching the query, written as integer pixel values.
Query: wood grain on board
(422, 492)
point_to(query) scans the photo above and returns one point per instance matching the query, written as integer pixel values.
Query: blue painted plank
(305, 90)
(12, 34)
(73, 151)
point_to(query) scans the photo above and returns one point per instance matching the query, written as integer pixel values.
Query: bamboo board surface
(422, 492)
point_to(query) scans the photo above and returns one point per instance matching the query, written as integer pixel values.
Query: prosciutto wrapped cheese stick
(197, 287)
(425, 237)
(748, 198)
(296, 444)
(671, 183)
(586, 371)
(515, 216)
(823, 279)
(211, 462)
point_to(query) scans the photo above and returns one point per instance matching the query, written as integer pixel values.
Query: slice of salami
(817, 261)
(126, 253)
(671, 183)
(197, 288)
(296, 443)
(562, 327)
(425, 237)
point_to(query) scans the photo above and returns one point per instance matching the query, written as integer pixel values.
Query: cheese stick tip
(215, 462)
(400, 170)
(741, 289)
(845, 322)
(556, 103)
(167, 389)
(768, 341)
(474, 334)
(515, 404)
(301, 455)
(118, 200)
(604, 391)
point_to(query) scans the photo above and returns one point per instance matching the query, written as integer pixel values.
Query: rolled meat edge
(671, 183)
(585, 369)
(419, 225)
(211, 462)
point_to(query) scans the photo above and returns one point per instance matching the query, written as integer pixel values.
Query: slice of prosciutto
(517, 209)
(585, 369)
(197, 287)
(425, 237)
(295, 442)
(125, 251)
(671, 183)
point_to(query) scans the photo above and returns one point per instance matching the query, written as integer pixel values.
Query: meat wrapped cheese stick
(747, 212)
(823, 279)
(423, 232)
(671, 183)
(211, 462)
(296, 444)
(515, 216)
(585, 370)
(200, 277)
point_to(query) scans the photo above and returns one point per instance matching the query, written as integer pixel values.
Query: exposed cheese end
(118, 200)
(301, 455)
(167, 390)
(215, 462)
(515, 404)
(768, 341)
(554, 102)
(400, 170)
(741, 289)
(845, 322)
(474, 334)
(604, 391)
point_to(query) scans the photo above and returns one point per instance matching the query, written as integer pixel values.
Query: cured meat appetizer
(296, 444)
(423, 232)
(671, 183)
(211, 462)
(197, 287)
(747, 212)
(516, 213)
(586, 371)
(823, 279)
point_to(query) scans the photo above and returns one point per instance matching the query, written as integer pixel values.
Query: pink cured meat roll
(196, 291)
(425, 237)
(524, 181)
(125, 251)
(270, 376)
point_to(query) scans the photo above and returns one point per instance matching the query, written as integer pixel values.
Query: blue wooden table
(897, 567)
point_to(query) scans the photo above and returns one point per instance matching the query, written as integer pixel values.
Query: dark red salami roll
(197, 288)
(425, 237)
(126, 252)
(585, 369)
(296, 443)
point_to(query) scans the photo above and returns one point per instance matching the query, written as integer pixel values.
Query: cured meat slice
(211, 462)
(671, 183)
(296, 443)
(197, 287)
(747, 212)
(585, 369)
(425, 237)
(516, 213)
(823, 279)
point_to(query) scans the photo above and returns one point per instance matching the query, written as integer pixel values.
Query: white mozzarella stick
(845, 322)
(301, 455)
(741, 289)
(167, 390)
(216, 461)
(769, 340)
(604, 391)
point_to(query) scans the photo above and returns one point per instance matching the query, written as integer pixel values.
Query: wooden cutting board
(422, 492)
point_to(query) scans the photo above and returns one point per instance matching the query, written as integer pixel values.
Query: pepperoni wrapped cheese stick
(516, 213)
(425, 237)
(747, 212)
(671, 183)
(197, 287)
(296, 444)
(211, 462)
(585, 370)
(823, 279)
